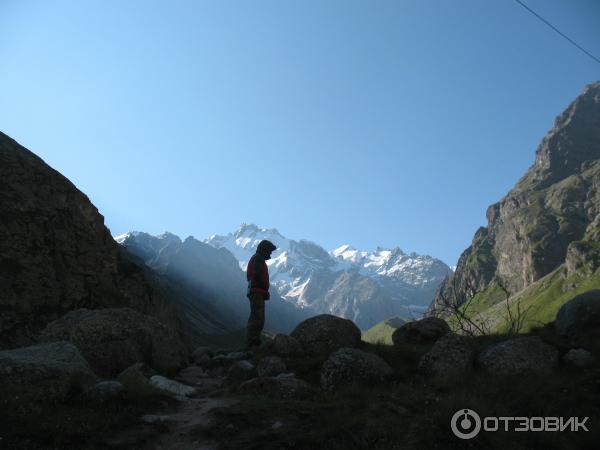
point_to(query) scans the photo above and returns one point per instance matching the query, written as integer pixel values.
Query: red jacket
(257, 275)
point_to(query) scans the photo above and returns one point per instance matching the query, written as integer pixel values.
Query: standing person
(257, 275)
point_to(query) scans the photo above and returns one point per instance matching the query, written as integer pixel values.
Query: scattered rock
(284, 345)
(115, 338)
(578, 357)
(191, 375)
(450, 358)
(202, 355)
(136, 378)
(58, 366)
(283, 386)
(104, 391)
(579, 314)
(349, 366)
(240, 371)
(270, 366)
(171, 386)
(519, 356)
(325, 333)
(424, 331)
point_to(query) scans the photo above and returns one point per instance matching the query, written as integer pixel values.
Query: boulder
(325, 333)
(240, 371)
(423, 331)
(191, 375)
(450, 358)
(521, 355)
(579, 357)
(270, 366)
(136, 378)
(58, 367)
(580, 314)
(115, 338)
(283, 386)
(352, 366)
(202, 355)
(171, 386)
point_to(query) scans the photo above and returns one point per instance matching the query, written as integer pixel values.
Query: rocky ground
(320, 387)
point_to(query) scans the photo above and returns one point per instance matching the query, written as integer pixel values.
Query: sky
(373, 123)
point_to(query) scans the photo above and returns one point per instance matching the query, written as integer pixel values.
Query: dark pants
(256, 321)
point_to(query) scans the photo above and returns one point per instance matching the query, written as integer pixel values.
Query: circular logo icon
(465, 424)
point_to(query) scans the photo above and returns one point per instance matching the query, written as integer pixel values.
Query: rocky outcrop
(524, 355)
(424, 331)
(115, 338)
(550, 218)
(57, 367)
(450, 358)
(284, 345)
(349, 366)
(57, 255)
(579, 315)
(325, 333)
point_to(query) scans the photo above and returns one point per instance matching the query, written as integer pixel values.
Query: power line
(558, 31)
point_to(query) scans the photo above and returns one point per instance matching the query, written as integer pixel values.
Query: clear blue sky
(364, 122)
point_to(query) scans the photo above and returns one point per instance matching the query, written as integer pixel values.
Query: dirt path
(176, 427)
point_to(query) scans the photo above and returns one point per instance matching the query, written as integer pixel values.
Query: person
(257, 275)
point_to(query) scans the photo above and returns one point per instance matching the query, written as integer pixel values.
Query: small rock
(578, 357)
(171, 386)
(270, 366)
(240, 371)
(202, 355)
(191, 375)
(104, 391)
(278, 424)
(154, 419)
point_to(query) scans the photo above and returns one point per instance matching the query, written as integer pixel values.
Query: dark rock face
(424, 331)
(579, 315)
(517, 356)
(351, 366)
(58, 367)
(324, 334)
(551, 217)
(57, 255)
(115, 338)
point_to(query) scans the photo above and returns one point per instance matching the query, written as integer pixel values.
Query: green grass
(381, 333)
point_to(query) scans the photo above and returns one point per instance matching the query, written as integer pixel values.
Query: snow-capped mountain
(366, 287)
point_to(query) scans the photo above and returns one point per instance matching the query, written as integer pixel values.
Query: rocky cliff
(56, 254)
(549, 220)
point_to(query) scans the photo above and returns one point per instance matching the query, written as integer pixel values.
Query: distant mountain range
(366, 287)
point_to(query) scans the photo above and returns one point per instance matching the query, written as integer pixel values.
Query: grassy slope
(381, 333)
(539, 302)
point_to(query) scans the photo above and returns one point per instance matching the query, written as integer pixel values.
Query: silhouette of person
(257, 275)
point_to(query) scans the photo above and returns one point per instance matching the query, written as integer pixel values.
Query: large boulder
(172, 386)
(450, 358)
(521, 355)
(352, 366)
(325, 333)
(58, 367)
(579, 357)
(424, 331)
(283, 386)
(241, 371)
(115, 338)
(580, 314)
